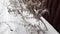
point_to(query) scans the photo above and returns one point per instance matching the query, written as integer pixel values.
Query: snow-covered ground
(7, 19)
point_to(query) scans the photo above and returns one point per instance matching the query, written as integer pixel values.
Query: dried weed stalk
(35, 7)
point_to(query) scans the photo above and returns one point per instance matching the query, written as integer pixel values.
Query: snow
(6, 18)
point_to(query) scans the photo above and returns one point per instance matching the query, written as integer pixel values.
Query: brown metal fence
(54, 17)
